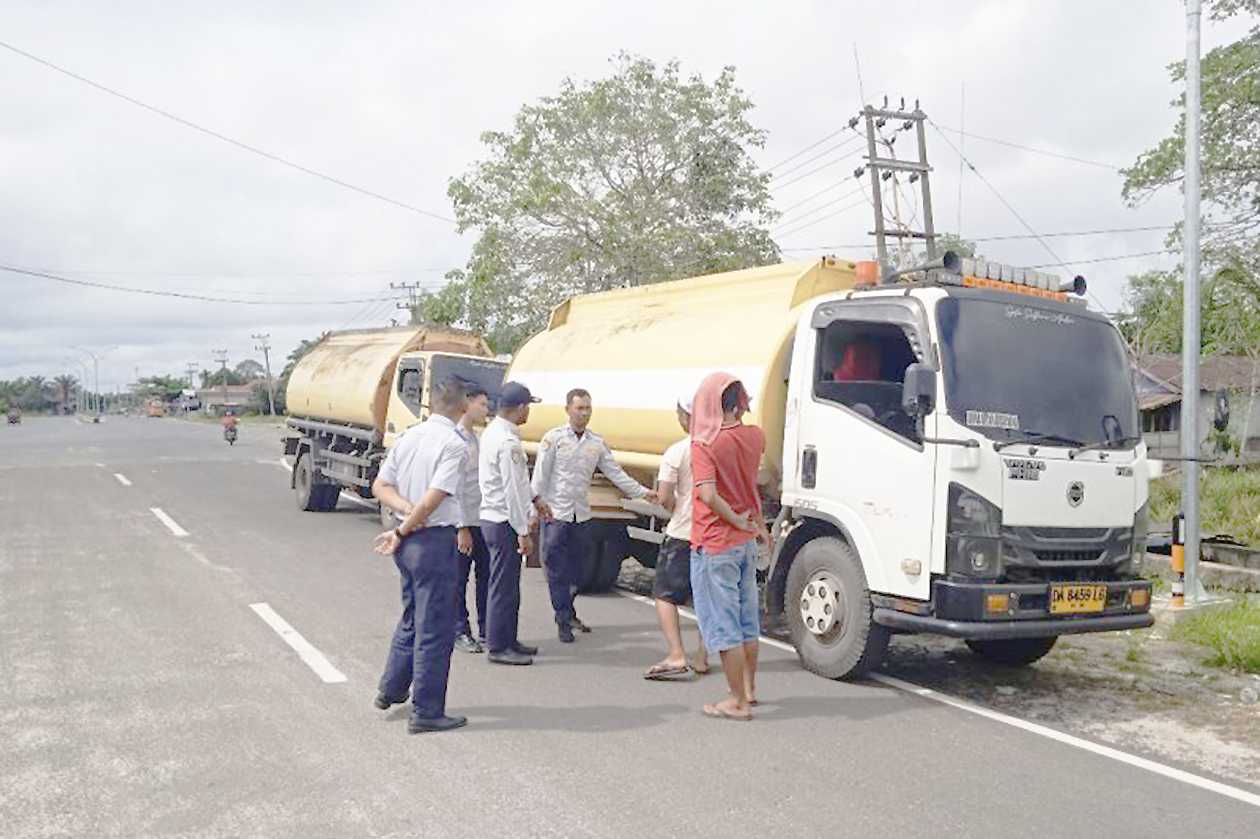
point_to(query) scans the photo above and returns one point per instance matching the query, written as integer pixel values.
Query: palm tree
(65, 385)
(35, 392)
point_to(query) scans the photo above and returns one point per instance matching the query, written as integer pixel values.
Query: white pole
(1190, 324)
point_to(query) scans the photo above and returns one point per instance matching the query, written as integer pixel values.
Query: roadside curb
(1212, 574)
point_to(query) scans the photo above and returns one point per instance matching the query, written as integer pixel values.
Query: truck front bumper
(961, 610)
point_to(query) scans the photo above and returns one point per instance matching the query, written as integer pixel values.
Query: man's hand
(524, 544)
(744, 521)
(544, 512)
(652, 496)
(464, 541)
(386, 543)
(763, 535)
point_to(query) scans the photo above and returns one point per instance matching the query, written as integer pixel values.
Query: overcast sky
(393, 97)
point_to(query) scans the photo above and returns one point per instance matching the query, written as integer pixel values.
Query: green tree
(66, 386)
(165, 388)
(635, 178)
(223, 376)
(1230, 146)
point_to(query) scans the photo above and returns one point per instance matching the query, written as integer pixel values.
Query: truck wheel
(602, 560)
(1013, 652)
(311, 496)
(829, 611)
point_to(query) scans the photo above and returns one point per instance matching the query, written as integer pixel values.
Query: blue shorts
(724, 592)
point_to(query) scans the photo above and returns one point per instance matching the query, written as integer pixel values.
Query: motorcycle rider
(229, 425)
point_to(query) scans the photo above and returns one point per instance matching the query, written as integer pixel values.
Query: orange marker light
(866, 273)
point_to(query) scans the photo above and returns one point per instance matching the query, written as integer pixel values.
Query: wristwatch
(398, 532)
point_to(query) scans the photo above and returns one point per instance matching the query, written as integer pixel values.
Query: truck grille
(1068, 556)
(1069, 532)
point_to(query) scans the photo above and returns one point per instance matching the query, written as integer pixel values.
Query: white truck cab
(961, 456)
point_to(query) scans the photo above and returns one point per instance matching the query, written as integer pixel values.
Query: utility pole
(413, 298)
(191, 367)
(221, 357)
(1190, 311)
(886, 167)
(265, 347)
(96, 373)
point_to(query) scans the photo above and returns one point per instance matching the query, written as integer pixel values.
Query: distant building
(1158, 381)
(216, 400)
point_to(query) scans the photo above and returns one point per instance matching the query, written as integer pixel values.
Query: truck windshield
(484, 371)
(1018, 370)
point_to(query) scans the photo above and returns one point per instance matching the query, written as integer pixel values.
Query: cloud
(394, 98)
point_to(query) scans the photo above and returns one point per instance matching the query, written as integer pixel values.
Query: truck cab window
(411, 384)
(861, 366)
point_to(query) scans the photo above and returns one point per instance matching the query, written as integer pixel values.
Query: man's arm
(665, 495)
(543, 467)
(613, 471)
(511, 462)
(388, 495)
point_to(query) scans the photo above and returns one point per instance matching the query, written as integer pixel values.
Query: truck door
(860, 450)
(406, 401)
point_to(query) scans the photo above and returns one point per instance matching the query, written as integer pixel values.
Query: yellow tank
(348, 377)
(638, 350)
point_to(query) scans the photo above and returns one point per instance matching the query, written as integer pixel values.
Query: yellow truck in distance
(958, 454)
(352, 395)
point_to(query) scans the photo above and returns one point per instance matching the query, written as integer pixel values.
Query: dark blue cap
(513, 394)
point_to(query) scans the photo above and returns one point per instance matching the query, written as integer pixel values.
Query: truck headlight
(1136, 562)
(973, 546)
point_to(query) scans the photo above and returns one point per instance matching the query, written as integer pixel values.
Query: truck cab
(962, 456)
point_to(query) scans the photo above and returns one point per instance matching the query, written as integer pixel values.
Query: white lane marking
(170, 523)
(313, 658)
(1045, 731)
(101, 465)
(122, 479)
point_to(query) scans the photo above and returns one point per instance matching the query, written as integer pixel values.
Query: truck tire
(601, 563)
(312, 496)
(828, 609)
(1013, 652)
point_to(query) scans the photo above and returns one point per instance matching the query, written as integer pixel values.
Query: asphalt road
(140, 694)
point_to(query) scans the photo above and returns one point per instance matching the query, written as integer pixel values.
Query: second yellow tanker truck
(957, 455)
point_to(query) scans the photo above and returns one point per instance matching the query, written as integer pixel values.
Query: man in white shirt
(567, 459)
(420, 481)
(507, 504)
(672, 586)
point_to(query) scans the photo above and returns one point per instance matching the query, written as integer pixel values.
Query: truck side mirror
(918, 390)
(1221, 420)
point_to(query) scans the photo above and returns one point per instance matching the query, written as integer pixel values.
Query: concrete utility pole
(191, 367)
(1190, 310)
(221, 357)
(413, 299)
(265, 347)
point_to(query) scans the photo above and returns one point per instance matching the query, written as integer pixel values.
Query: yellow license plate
(1077, 599)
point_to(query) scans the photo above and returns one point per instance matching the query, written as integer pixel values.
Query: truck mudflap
(994, 611)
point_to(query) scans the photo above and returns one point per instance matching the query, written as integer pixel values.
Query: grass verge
(1229, 502)
(1232, 633)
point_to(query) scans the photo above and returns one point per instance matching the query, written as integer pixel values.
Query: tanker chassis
(957, 455)
(352, 395)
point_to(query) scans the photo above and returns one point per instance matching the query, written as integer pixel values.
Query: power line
(1072, 158)
(183, 295)
(812, 197)
(810, 224)
(808, 213)
(819, 156)
(1016, 236)
(1103, 259)
(814, 171)
(247, 274)
(223, 137)
(810, 147)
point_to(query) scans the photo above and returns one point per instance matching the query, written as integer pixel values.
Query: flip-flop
(721, 714)
(666, 672)
(698, 671)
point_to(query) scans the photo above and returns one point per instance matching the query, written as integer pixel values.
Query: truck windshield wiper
(1037, 437)
(1103, 444)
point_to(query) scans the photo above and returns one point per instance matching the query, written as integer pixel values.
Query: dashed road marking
(170, 523)
(1171, 772)
(122, 479)
(312, 657)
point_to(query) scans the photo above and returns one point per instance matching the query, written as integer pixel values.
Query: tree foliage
(1230, 144)
(635, 178)
(165, 388)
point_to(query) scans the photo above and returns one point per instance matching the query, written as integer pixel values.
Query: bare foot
(700, 664)
(729, 709)
(668, 669)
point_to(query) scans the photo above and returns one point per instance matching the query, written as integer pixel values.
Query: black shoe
(421, 726)
(509, 656)
(579, 626)
(566, 633)
(468, 644)
(383, 702)
(524, 649)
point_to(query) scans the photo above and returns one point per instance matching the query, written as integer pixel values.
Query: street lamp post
(96, 373)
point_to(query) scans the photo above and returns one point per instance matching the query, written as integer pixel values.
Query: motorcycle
(229, 434)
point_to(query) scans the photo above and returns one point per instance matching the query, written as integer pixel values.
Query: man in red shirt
(726, 525)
